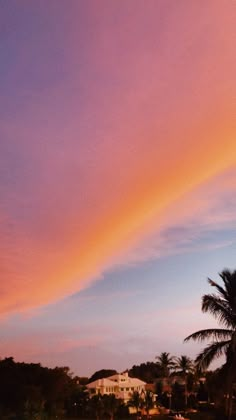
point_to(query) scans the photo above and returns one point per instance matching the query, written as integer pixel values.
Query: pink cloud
(142, 118)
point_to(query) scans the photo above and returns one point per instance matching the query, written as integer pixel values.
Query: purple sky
(117, 176)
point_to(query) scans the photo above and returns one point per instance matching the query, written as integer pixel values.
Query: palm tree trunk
(170, 401)
(230, 407)
(229, 397)
(226, 404)
(185, 392)
(231, 377)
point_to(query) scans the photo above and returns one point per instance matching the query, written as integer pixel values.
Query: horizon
(118, 177)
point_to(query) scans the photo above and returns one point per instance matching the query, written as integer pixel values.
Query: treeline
(147, 372)
(33, 392)
(30, 391)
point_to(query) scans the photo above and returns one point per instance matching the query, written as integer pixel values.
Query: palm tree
(223, 307)
(110, 404)
(96, 405)
(148, 402)
(184, 366)
(166, 363)
(136, 401)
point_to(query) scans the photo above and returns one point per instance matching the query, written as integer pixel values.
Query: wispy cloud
(94, 153)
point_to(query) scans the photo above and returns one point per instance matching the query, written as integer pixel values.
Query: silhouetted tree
(136, 401)
(95, 405)
(223, 307)
(183, 366)
(147, 372)
(110, 405)
(103, 373)
(30, 391)
(165, 363)
(148, 401)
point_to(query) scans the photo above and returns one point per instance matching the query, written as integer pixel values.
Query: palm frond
(183, 365)
(220, 289)
(219, 308)
(223, 307)
(211, 352)
(213, 333)
(165, 363)
(165, 359)
(229, 279)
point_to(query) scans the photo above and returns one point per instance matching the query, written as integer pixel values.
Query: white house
(119, 384)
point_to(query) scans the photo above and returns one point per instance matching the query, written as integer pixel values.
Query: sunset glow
(117, 126)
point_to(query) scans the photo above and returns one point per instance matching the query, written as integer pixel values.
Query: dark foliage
(147, 372)
(28, 390)
(103, 373)
(222, 305)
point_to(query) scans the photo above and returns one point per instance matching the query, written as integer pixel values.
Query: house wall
(121, 385)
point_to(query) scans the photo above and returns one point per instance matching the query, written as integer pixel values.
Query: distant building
(120, 384)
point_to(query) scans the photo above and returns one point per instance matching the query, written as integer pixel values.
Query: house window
(127, 389)
(122, 389)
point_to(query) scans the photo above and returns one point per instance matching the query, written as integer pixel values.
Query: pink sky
(115, 116)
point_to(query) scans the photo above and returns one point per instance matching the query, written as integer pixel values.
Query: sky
(117, 176)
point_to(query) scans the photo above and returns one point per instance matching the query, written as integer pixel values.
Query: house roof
(101, 382)
(117, 379)
(125, 379)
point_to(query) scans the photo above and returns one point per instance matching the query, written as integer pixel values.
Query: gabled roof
(101, 382)
(124, 378)
(118, 379)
